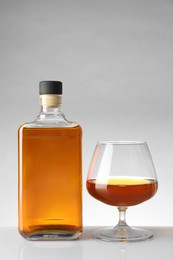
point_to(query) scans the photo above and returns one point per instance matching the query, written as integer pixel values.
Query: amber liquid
(117, 191)
(50, 196)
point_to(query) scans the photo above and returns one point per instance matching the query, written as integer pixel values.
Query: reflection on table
(13, 246)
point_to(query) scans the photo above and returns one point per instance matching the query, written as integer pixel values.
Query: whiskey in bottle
(50, 172)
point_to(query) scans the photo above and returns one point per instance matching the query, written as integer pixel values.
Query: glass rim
(122, 142)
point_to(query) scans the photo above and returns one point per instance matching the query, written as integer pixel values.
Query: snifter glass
(122, 174)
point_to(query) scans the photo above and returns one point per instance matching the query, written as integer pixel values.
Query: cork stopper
(50, 93)
(50, 100)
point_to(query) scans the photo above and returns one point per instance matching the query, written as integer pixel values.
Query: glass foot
(122, 234)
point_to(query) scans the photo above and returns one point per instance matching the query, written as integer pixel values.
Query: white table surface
(14, 247)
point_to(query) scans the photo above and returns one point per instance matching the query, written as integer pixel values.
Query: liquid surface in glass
(122, 191)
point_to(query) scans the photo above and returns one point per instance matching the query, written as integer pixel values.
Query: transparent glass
(122, 174)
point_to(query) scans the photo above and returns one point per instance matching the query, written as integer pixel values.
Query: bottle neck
(51, 110)
(50, 107)
(51, 114)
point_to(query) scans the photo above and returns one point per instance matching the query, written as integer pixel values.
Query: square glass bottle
(50, 171)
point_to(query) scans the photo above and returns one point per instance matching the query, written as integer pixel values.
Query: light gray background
(115, 59)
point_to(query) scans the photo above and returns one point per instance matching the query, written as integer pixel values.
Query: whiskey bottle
(50, 171)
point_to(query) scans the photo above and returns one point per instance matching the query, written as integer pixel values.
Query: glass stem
(122, 216)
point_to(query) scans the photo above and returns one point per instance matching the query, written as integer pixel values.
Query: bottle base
(52, 236)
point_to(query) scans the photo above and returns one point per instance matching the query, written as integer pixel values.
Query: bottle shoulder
(34, 124)
(50, 121)
(68, 124)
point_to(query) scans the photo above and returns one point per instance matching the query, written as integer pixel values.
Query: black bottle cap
(50, 87)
